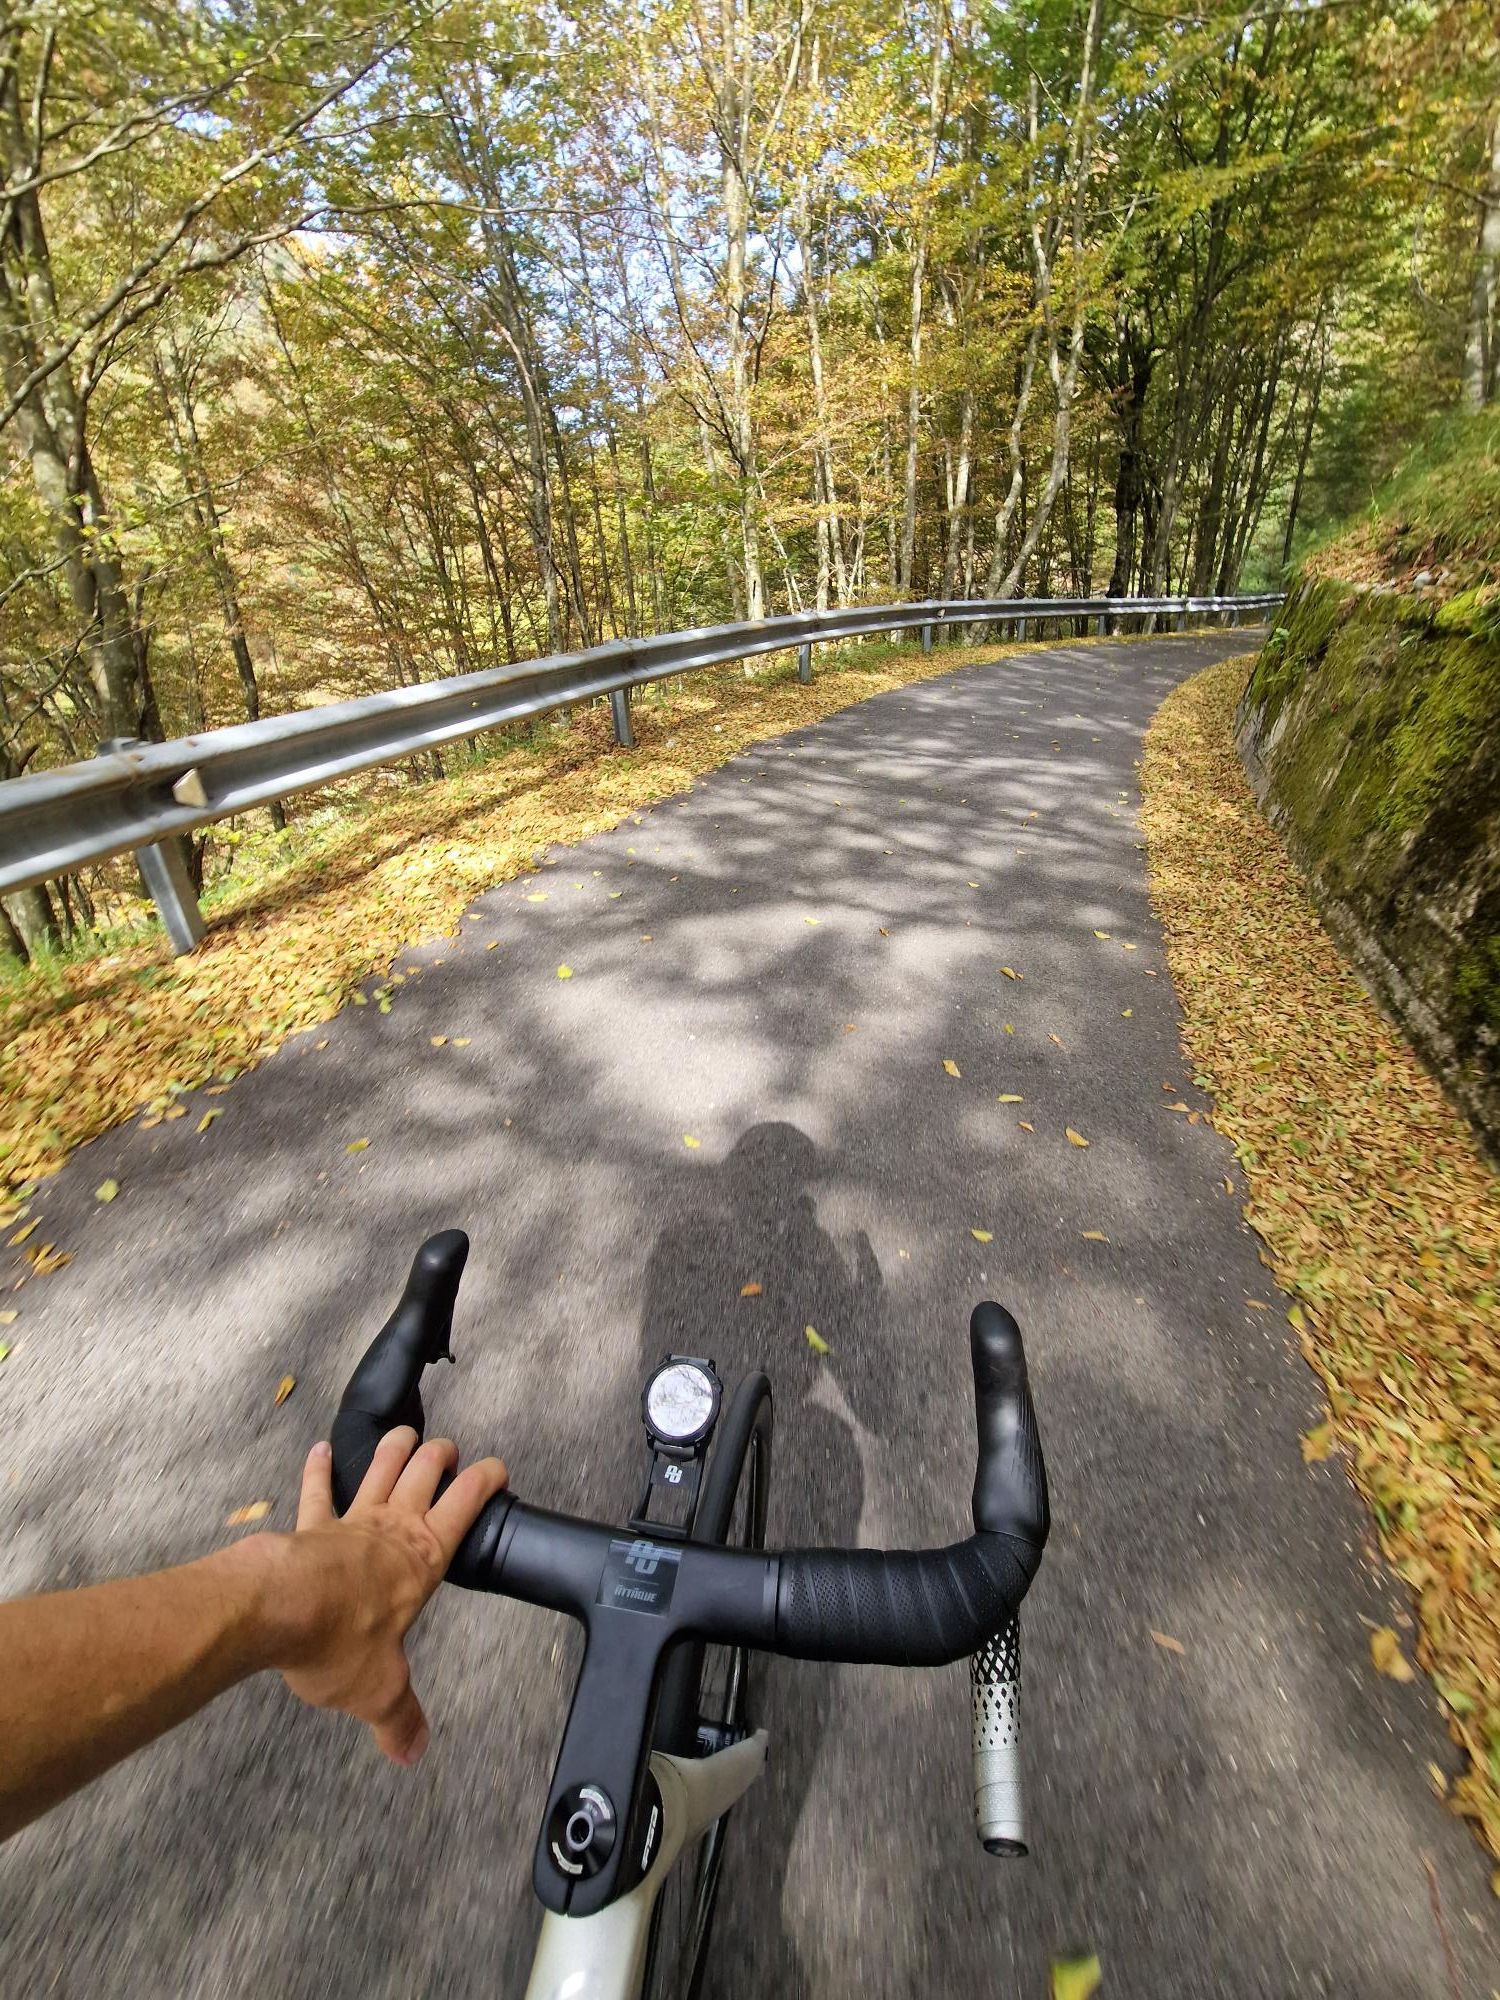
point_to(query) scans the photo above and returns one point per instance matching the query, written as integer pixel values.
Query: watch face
(679, 1402)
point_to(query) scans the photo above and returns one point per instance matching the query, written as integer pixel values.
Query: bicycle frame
(603, 1957)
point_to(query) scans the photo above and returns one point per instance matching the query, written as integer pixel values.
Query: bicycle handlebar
(861, 1606)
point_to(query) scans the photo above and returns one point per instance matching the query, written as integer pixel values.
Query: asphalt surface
(776, 965)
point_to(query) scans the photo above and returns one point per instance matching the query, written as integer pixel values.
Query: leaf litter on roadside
(1372, 1203)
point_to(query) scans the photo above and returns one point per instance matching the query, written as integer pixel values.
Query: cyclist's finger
(414, 1489)
(460, 1507)
(402, 1733)
(315, 1502)
(385, 1468)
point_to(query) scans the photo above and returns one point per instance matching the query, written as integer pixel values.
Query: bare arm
(91, 1675)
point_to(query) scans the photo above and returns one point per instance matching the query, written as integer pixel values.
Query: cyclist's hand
(357, 1584)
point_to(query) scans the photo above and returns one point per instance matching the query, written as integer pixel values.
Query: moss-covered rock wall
(1371, 732)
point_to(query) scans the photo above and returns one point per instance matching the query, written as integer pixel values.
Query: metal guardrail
(134, 796)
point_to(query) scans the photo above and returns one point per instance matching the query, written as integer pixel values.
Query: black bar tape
(902, 1608)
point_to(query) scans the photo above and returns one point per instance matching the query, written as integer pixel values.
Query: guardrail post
(619, 710)
(926, 638)
(1182, 621)
(165, 874)
(804, 662)
(1020, 631)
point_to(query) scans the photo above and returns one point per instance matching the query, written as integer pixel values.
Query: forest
(344, 349)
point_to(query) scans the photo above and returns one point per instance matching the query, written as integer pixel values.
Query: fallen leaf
(47, 1260)
(493, 945)
(1008, 972)
(1128, 947)
(4, 1350)
(1177, 1107)
(1101, 934)
(439, 1041)
(106, 1190)
(1056, 1038)
(284, 1388)
(356, 1145)
(23, 1232)
(566, 972)
(1228, 1185)
(1024, 1126)
(810, 920)
(1076, 1978)
(982, 1235)
(1167, 1642)
(883, 931)
(1009, 1097)
(538, 896)
(1094, 1236)
(243, 1516)
(1385, 1651)
(851, 1027)
(1074, 1138)
(216, 1090)
(1317, 1444)
(973, 885)
(750, 1291)
(615, 895)
(1296, 1319)
(1258, 1305)
(689, 1140)
(9, 1318)
(815, 1340)
(321, 1045)
(951, 1066)
(1126, 1012)
(207, 1119)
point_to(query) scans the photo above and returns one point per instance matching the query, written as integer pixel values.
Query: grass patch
(85, 1042)
(1377, 1213)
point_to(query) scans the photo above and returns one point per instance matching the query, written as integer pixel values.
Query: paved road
(776, 965)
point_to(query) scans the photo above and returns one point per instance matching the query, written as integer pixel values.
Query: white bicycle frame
(603, 1957)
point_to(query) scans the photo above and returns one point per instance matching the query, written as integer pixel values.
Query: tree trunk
(1480, 359)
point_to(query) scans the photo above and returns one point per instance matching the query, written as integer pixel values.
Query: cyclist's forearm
(88, 1676)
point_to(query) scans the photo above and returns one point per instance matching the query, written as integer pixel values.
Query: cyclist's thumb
(402, 1733)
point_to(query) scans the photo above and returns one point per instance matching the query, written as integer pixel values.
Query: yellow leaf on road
(565, 972)
(284, 1388)
(462, 1041)
(1094, 1236)
(539, 896)
(810, 920)
(815, 1340)
(206, 1120)
(493, 945)
(1009, 1097)
(951, 1066)
(1167, 1643)
(1101, 934)
(439, 1041)
(1074, 1138)
(750, 1291)
(106, 1190)
(23, 1232)
(1317, 1444)
(1076, 1978)
(356, 1145)
(1024, 1126)
(1008, 972)
(1296, 1319)
(243, 1516)
(1126, 1013)
(1385, 1651)
(689, 1140)
(981, 1235)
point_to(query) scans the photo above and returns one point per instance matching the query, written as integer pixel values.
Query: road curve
(777, 966)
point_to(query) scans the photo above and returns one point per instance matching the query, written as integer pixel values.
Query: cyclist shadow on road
(752, 1220)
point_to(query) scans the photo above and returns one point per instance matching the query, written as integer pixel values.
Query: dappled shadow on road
(777, 968)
